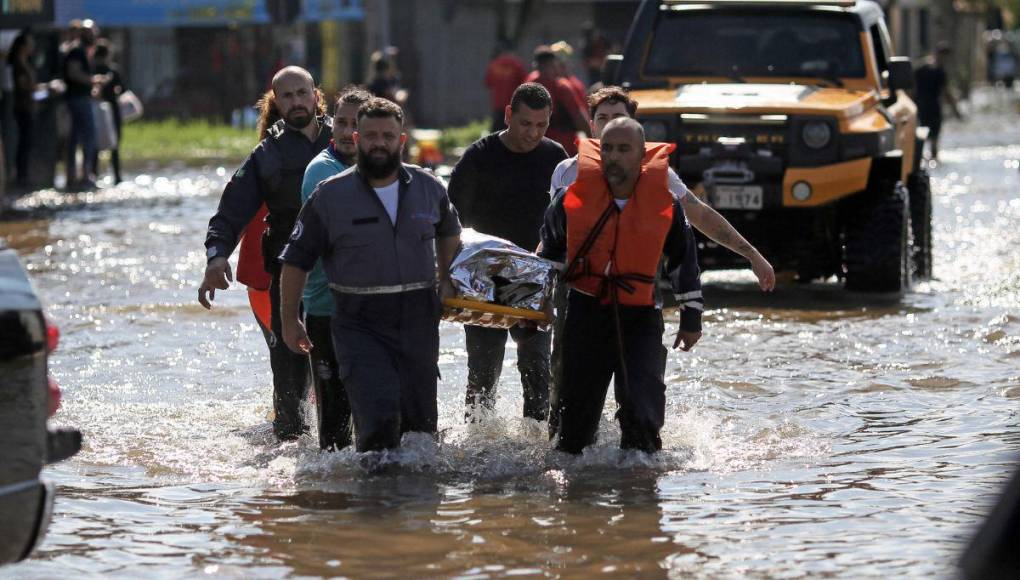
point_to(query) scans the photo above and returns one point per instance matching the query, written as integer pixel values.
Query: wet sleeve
(238, 205)
(308, 240)
(681, 252)
(449, 219)
(554, 231)
(676, 186)
(464, 184)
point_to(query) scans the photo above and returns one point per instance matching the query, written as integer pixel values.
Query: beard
(376, 166)
(298, 117)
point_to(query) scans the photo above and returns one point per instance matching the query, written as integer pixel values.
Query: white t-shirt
(389, 196)
(621, 203)
(565, 175)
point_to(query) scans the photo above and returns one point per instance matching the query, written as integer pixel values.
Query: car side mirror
(611, 68)
(901, 73)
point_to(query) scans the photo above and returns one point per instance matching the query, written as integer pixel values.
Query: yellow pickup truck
(791, 118)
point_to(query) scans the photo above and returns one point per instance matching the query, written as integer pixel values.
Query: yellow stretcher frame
(487, 314)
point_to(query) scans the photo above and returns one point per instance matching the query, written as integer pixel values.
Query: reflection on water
(811, 432)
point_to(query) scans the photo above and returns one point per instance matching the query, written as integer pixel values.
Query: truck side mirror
(611, 68)
(901, 73)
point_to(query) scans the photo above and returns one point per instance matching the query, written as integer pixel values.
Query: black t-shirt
(75, 88)
(502, 193)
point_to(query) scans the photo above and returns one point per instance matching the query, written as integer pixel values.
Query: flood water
(810, 433)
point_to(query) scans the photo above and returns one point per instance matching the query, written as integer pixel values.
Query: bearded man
(272, 174)
(386, 233)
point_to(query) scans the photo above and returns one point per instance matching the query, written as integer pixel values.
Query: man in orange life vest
(611, 228)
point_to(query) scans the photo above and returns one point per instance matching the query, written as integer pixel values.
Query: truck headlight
(656, 131)
(816, 134)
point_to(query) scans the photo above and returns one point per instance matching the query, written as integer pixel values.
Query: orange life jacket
(251, 270)
(624, 257)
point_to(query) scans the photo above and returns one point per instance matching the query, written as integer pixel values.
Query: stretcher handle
(478, 306)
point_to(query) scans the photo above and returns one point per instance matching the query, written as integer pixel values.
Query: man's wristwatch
(211, 253)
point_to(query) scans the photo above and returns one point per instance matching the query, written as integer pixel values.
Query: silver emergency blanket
(491, 269)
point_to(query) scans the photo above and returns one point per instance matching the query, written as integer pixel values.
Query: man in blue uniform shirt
(386, 233)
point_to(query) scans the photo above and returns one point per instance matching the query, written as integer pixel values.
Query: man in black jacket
(500, 187)
(272, 174)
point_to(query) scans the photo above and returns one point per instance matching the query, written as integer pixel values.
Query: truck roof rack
(837, 3)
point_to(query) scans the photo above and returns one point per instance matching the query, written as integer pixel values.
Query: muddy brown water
(811, 433)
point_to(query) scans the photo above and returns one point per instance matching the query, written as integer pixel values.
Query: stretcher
(476, 313)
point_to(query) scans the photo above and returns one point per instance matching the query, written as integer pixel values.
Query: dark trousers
(485, 348)
(387, 346)
(591, 358)
(290, 374)
(83, 132)
(26, 129)
(331, 405)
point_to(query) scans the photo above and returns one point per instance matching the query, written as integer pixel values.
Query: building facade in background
(213, 58)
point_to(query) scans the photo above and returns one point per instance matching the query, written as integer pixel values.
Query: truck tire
(919, 186)
(876, 252)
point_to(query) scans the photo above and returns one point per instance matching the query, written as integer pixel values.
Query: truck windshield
(737, 43)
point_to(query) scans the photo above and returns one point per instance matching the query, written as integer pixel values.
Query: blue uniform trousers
(387, 347)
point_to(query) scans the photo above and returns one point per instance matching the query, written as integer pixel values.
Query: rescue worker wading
(380, 229)
(612, 227)
(272, 174)
(334, 411)
(610, 103)
(500, 188)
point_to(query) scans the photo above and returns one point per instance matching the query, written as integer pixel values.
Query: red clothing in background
(567, 104)
(504, 74)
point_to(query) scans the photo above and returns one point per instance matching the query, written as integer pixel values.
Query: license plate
(737, 197)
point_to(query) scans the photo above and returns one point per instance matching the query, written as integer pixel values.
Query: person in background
(569, 113)
(78, 79)
(564, 52)
(385, 81)
(272, 174)
(931, 88)
(23, 75)
(110, 89)
(500, 188)
(334, 410)
(504, 73)
(386, 233)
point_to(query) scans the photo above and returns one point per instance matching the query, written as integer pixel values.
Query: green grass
(455, 139)
(196, 142)
(189, 142)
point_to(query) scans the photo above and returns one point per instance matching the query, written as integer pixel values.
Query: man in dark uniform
(386, 233)
(611, 228)
(272, 174)
(500, 187)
